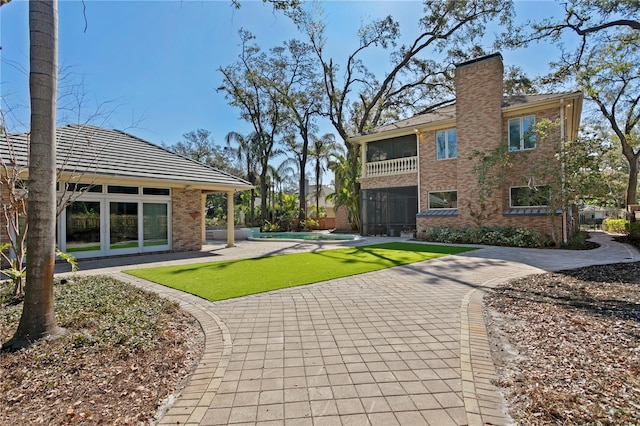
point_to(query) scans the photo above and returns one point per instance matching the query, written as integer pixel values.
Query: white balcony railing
(391, 167)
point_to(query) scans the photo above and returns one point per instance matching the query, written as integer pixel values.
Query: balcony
(395, 166)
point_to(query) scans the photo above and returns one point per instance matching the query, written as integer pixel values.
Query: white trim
(105, 244)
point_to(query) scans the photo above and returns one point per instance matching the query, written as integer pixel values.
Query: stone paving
(405, 345)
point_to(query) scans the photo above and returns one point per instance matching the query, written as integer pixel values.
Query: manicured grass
(224, 280)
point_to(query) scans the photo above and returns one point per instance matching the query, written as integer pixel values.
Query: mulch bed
(567, 345)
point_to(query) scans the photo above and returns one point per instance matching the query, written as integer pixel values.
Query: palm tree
(38, 319)
(347, 195)
(280, 175)
(323, 148)
(247, 155)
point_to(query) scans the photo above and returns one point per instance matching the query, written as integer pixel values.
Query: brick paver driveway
(380, 348)
(405, 345)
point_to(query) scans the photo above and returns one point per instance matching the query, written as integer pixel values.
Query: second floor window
(446, 146)
(522, 133)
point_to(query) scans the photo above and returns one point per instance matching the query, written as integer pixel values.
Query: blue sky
(150, 67)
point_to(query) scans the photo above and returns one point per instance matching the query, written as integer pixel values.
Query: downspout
(565, 230)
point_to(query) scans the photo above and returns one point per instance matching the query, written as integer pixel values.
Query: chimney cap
(481, 58)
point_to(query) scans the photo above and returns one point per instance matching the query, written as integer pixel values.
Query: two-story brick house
(419, 172)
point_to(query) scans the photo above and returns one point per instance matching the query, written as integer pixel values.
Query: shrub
(309, 224)
(487, 235)
(617, 226)
(622, 226)
(270, 227)
(577, 240)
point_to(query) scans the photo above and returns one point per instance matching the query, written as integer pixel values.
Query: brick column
(186, 219)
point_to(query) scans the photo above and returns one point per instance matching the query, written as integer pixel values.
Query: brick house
(122, 195)
(419, 172)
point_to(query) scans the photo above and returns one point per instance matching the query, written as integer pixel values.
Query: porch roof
(114, 154)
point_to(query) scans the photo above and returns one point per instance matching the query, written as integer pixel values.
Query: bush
(270, 227)
(578, 241)
(487, 235)
(617, 226)
(309, 224)
(622, 226)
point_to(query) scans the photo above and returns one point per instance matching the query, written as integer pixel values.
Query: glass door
(83, 228)
(123, 227)
(155, 225)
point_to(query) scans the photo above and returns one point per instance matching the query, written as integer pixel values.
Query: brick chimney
(479, 90)
(479, 103)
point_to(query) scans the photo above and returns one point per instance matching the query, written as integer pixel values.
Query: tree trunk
(632, 185)
(318, 189)
(38, 319)
(263, 196)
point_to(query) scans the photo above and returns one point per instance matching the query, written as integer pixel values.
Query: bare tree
(14, 213)
(586, 20)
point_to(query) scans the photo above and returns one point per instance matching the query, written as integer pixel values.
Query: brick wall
(435, 175)
(186, 219)
(342, 219)
(394, 181)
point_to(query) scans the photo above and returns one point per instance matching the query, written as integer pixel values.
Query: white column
(203, 218)
(230, 224)
(363, 158)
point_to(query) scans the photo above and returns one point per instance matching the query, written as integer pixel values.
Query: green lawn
(224, 280)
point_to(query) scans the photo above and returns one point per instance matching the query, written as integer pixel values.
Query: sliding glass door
(123, 226)
(83, 221)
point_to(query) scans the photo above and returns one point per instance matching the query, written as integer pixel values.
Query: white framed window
(525, 196)
(446, 144)
(119, 220)
(443, 200)
(522, 133)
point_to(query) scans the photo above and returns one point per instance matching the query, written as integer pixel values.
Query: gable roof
(115, 154)
(447, 115)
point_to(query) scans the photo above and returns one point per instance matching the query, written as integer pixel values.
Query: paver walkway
(404, 346)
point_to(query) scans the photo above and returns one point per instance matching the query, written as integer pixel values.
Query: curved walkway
(406, 345)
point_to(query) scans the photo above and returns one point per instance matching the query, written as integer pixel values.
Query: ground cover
(567, 345)
(224, 280)
(124, 353)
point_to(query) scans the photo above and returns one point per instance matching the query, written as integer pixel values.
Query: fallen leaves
(74, 380)
(574, 340)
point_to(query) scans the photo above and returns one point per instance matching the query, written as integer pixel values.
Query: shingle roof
(449, 112)
(114, 153)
